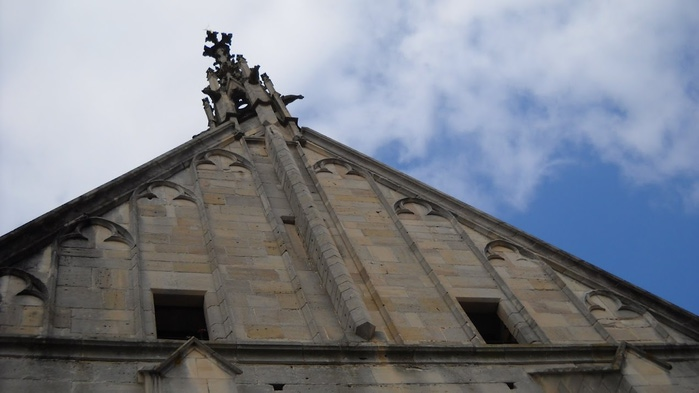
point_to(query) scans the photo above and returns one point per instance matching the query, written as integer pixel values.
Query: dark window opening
(277, 386)
(179, 317)
(484, 316)
(289, 220)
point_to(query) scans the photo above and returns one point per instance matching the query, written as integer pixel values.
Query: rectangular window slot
(180, 316)
(484, 316)
(289, 220)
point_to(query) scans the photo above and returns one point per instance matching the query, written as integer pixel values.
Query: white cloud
(524, 79)
(93, 90)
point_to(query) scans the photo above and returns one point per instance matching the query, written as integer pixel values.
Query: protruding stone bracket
(288, 99)
(300, 139)
(33, 286)
(366, 330)
(279, 103)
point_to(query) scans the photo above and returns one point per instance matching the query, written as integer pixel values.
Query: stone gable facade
(261, 256)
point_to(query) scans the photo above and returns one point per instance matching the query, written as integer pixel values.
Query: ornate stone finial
(235, 90)
(225, 80)
(221, 49)
(209, 112)
(254, 77)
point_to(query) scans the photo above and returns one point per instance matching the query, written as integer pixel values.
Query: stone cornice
(254, 352)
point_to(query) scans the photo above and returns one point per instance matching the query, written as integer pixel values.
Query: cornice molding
(255, 352)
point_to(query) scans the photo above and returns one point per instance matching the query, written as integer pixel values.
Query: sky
(576, 121)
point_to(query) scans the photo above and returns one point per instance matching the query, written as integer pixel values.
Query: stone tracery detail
(498, 248)
(149, 191)
(23, 302)
(328, 164)
(118, 233)
(419, 207)
(32, 285)
(220, 158)
(226, 80)
(620, 315)
(614, 305)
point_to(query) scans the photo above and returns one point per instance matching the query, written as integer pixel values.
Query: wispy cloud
(529, 84)
(482, 99)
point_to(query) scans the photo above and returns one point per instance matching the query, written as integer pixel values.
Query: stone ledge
(261, 352)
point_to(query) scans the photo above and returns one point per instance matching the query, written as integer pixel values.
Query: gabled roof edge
(24, 240)
(677, 317)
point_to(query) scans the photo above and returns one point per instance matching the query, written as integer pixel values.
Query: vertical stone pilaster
(449, 300)
(52, 286)
(139, 289)
(284, 242)
(259, 99)
(578, 303)
(524, 327)
(94, 292)
(173, 254)
(374, 292)
(345, 297)
(218, 310)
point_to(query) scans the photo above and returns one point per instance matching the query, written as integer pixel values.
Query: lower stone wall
(32, 375)
(79, 367)
(58, 375)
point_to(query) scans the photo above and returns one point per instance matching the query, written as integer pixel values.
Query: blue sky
(576, 121)
(636, 233)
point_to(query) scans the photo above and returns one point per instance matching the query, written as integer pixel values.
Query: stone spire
(226, 80)
(238, 91)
